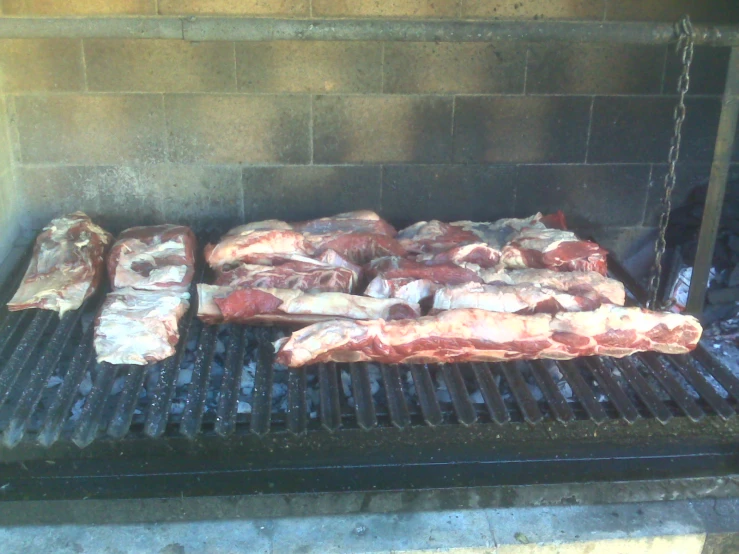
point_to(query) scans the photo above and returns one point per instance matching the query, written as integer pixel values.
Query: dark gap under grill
(369, 407)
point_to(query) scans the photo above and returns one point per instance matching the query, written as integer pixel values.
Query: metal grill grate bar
(673, 388)
(228, 401)
(133, 381)
(297, 419)
(329, 390)
(615, 393)
(427, 395)
(688, 370)
(397, 407)
(644, 390)
(261, 410)
(23, 351)
(363, 402)
(39, 377)
(463, 406)
(521, 392)
(557, 402)
(727, 379)
(490, 393)
(192, 415)
(92, 412)
(14, 322)
(583, 392)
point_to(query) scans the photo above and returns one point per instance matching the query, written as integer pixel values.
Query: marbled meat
(468, 335)
(308, 276)
(361, 221)
(257, 246)
(553, 249)
(66, 267)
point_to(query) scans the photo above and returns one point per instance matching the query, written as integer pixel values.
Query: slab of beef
(139, 327)
(257, 247)
(265, 225)
(553, 249)
(153, 258)
(66, 267)
(468, 335)
(361, 221)
(249, 305)
(409, 289)
(358, 248)
(313, 276)
(394, 267)
(433, 237)
(526, 298)
(607, 291)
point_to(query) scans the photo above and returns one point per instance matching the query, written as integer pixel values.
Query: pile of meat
(433, 292)
(357, 289)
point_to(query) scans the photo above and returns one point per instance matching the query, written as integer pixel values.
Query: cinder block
(421, 67)
(91, 129)
(238, 129)
(289, 8)
(79, 7)
(5, 147)
(287, 66)
(534, 9)
(305, 192)
(595, 68)
(41, 65)
(382, 129)
(159, 66)
(714, 11)
(521, 129)
(9, 214)
(386, 8)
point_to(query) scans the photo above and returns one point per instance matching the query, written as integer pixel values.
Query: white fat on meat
(136, 252)
(257, 246)
(266, 225)
(466, 335)
(407, 289)
(139, 327)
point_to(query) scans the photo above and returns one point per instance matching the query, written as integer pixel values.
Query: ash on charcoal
(86, 384)
(54, 381)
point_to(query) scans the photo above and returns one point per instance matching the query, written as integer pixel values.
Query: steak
(394, 267)
(358, 248)
(257, 247)
(139, 327)
(361, 221)
(478, 253)
(66, 266)
(153, 258)
(469, 335)
(553, 249)
(251, 305)
(298, 275)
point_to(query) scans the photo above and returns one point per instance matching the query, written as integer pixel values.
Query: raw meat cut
(242, 305)
(257, 247)
(574, 282)
(393, 267)
(265, 225)
(334, 259)
(153, 258)
(358, 248)
(553, 249)
(405, 288)
(66, 267)
(139, 327)
(432, 237)
(298, 275)
(361, 221)
(478, 253)
(469, 335)
(524, 298)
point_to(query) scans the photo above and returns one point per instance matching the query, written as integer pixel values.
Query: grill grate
(36, 346)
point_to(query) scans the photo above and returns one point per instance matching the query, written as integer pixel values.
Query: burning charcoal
(86, 384)
(375, 376)
(244, 407)
(477, 397)
(54, 381)
(152, 378)
(346, 383)
(77, 409)
(178, 406)
(184, 377)
(220, 347)
(278, 390)
(117, 385)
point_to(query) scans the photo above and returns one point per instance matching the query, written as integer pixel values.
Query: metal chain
(684, 48)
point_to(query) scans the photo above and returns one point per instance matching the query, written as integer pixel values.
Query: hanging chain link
(684, 49)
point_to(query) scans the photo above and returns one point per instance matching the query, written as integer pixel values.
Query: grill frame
(461, 445)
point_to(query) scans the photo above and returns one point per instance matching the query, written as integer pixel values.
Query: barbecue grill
(353, 427)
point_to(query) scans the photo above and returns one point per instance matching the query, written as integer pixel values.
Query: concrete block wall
(212, 133)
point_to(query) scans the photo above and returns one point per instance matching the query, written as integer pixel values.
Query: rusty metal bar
(716, 187)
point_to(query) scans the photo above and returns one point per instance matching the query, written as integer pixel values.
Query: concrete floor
(683, 527)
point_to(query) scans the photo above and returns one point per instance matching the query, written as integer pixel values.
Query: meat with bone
(433, 237)
(478, 253)
(394, 267)
(136, 327)
(361, 221)
(248, 305)
(358, 248)
(298, 275)
(66, 267)
(257, 247)
(553, 249)
(525, 298)
(468, 335)
(608, 291)
(153, 258)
